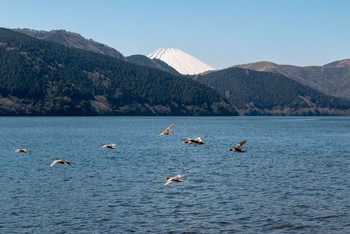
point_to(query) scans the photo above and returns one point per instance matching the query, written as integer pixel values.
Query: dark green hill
(72, 40)
(75, 40)
(264, 93)
(332, 79)
(44, 78)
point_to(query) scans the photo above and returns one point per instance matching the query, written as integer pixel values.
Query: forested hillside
(75, 40)
(44, 78)
(72, 40)
(332, 79)
(153, 63)
(264, 93)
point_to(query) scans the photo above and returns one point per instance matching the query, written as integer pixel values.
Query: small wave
(328, 217)
(283, 225)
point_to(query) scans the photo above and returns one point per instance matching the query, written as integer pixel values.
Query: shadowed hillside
(153, 63)
(264, 93)
(75, 40)
(332, 79)
(44, 78)
(72, 40)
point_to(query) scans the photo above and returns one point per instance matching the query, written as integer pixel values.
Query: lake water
(294, 177)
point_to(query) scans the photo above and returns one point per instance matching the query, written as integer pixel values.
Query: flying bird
(196, 141)
(175, 179)
(22, 150)
(167, 131)
(59, 161)
(238, 147)
(109, 146)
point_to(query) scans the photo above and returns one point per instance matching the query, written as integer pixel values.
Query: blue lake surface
(294, 177)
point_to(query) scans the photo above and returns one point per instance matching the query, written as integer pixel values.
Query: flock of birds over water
(168, 131)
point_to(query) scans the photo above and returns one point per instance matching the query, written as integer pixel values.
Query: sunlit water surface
(294, 177)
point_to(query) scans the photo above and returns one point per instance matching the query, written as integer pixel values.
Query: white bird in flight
(59, 161)
(22, 150)
(175, 179)
(197, 141)
(167, 131)
(109, 146)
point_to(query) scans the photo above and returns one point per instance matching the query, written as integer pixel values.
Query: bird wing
(198, 139)
(242, 142)
(166, 131)
(178, 178)
(21, 150)
(168, 182)
(54, 163)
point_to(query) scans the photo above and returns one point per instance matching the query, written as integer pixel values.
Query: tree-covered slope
(332, 79)
(75, 40)
(153, 63)
(44, 78)
(264, 93)
(72, 40)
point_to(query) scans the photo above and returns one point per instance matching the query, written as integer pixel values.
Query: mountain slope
(44, 78)
(75, 40)
(180, 61)
(153, 63)
(72, 40)
(332, 79)
(264, 93)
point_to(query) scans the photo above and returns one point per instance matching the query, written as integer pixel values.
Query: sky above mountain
(220, 33)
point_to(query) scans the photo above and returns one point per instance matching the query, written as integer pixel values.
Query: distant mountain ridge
(87, 82)
(339, 63)
(182, 62)
(332, 78)
(72, 40)
(44, 78)
(75, 40)
(265, 93)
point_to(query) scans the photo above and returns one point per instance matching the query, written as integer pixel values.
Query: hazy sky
(221, 33)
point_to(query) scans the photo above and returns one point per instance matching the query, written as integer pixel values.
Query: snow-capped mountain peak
(180, 61)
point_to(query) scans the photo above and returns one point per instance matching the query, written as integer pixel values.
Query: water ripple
(297, 185)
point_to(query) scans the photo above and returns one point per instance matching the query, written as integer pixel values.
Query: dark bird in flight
(238, 147)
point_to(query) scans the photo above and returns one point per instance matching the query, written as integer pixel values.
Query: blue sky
(221, 33)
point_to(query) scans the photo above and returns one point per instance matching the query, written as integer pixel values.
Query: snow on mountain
(180, 61)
